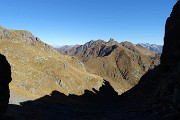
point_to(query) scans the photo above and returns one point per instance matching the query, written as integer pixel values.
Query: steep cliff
(171, 50)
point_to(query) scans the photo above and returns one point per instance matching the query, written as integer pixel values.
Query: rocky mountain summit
(122, 64)
(153, 47)
(38, 69)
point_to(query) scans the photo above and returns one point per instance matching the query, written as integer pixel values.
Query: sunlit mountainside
(38, 69)
(122, 64)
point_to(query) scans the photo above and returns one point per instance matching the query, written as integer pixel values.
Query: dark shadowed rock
(5, 79)
(171, 49)
(158, 93)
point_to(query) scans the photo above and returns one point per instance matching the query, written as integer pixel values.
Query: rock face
(171, 50)
(122, 64)
(170, 59)
(153, 47)
(5, 79)
(38, 69)
(158, 93)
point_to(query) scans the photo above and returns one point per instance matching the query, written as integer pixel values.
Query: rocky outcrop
(5, 79)
(158, 93)
(171, 49)
(122, 64)
(170, 60)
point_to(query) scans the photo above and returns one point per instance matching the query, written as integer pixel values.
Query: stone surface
(171, 50)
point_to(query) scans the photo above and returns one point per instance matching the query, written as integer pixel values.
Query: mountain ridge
(121, 64)
(152, 47)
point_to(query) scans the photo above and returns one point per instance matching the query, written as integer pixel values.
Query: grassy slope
(37, 69)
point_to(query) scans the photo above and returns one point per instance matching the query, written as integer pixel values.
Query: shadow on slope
(57, 106)
(140, 103)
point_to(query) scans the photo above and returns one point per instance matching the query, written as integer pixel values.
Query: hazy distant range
(153, 47)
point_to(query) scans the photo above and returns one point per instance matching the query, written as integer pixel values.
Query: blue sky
(60, 22)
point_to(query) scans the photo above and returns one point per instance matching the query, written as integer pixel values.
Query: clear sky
(60, 22)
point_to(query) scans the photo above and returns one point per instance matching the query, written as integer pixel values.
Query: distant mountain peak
(153, 47)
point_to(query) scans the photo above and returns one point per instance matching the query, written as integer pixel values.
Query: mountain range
(38, 69)
(153, 47)
(122, 64)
